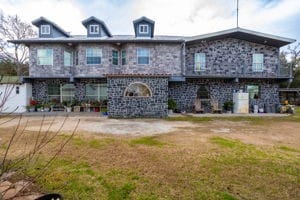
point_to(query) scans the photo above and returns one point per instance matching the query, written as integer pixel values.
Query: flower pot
(40, 109)
(46, 109)
(260, 110)
(69, 109)
(170, 112)
(31, 109)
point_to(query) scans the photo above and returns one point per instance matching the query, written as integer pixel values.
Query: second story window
(123, 57)
(258, 62)
(115, 57)
(68, 58)
(93, 56)
(143, 56)
(144, 28)
(45, 57)
(94, 29)
(45, 29)
(200, 62)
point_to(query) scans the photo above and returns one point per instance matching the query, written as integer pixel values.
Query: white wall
(15, 100)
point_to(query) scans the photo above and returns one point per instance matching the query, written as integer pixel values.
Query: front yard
(186, 158)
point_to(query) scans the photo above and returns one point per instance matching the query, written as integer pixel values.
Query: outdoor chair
(215, 107)
(197, 106)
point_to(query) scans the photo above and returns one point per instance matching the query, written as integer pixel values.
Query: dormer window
(45, 29)
(144, 28)
(94, 29)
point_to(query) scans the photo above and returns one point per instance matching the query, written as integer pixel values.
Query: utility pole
(237, 13)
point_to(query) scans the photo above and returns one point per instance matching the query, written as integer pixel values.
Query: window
(54, 92)
(203, 92)
(45, 57)
(137, 90)
(115, 57)
(68, 58)
(94, 29)
(143, 28)
(96, 92)
(143, 55)
(200, 61)
(45, 29)
(93, 56)
(258, 62)
(253, 91)
(67, 92)
(123, 57)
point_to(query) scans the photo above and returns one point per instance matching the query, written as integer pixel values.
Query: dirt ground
(266, 134)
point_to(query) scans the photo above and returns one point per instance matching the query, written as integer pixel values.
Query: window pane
(68, 90)
(44, 57)
(115, 59)
(137, 90)
(253, 91)
(93, 55)
(123, 57)
(200, 61)
(258, 62)
(67, 58)
(53, 89)
(91, 89)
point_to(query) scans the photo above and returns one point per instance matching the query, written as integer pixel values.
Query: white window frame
(66, 95)
(94, 32)
(142, 28)
(71, 59)
(45, 27)
(87, 56)
(202, 62)
(257, 66)
(37, 53)
(137, 55)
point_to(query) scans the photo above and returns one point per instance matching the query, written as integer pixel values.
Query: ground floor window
(138, 90)
(96, 92)
(253, 91)
(61, 92)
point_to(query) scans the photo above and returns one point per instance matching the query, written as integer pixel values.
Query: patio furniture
(197, 106)
(215, 107)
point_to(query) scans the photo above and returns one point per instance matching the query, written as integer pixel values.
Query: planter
(96, 109)
(31, 109)
(260, 110)
(46, 109)
(68, 109)
(104, 113)
(40, 109)
(170, 112)
(76, 108)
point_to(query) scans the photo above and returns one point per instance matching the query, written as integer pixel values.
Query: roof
(244, 34)
(40, 20)
(143, 18)
(92, 18)
(113, 39)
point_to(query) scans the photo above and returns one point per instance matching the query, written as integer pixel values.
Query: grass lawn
(186, 164)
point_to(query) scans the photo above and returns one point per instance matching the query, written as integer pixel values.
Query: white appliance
(241, 102)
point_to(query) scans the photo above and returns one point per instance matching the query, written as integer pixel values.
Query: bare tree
(294, 54)
(13, 28)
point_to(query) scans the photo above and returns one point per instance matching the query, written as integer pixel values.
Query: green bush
(172, 104)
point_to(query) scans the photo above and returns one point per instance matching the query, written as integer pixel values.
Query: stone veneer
(120, 106)
(184, 93)
(232, 57)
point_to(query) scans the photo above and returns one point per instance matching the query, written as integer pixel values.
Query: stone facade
(232, 57)
(120, 106)
(165, 58)
(185, 93)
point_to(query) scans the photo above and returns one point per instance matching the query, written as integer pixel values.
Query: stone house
(139, 73)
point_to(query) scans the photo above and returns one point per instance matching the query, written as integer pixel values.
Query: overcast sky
(172, 17)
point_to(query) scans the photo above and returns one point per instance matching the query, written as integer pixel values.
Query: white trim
(144, 84)
(45, 27)
(143, 31)
(94, 32)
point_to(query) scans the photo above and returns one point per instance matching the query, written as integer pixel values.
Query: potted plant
(96, 106)
(67, 105)
(46, 106)
(32, 105)
(39, 107)
(104, 111)
(228, 106)
(171, 106)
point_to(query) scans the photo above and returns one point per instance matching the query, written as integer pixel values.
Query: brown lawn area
(176, 158)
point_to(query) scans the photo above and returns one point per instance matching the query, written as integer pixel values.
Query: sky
(172, 17)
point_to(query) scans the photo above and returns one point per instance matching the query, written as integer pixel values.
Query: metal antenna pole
(237, 13)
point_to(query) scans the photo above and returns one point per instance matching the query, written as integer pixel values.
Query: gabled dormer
(96, 27)
(143, 27)
(48, 29)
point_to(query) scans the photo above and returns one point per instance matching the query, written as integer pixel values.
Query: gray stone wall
(232, 57)
(57, 70)
(128, 107)
(185, 93)
(164, 59)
